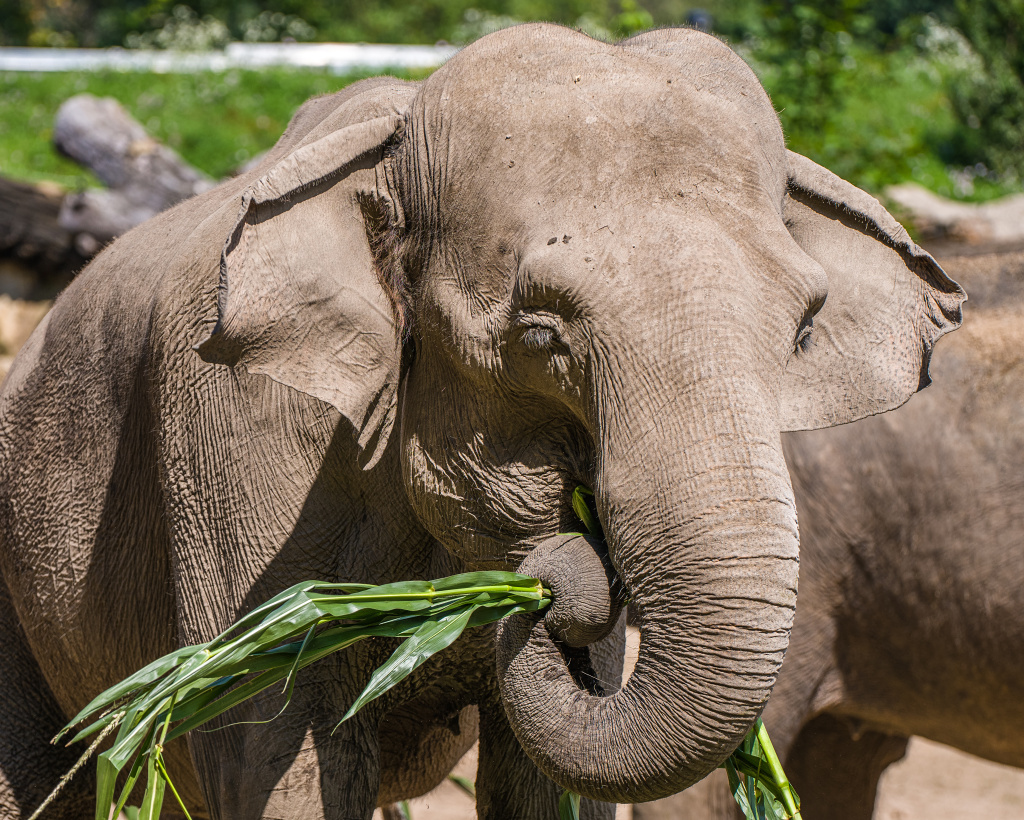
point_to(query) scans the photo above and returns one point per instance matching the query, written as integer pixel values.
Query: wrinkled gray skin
(607, 265)
(910, 618)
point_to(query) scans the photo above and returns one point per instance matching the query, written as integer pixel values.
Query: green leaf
(233, 698)
(738, 792)
(265, 609)
(153, 800)
(110, 763)
(581, 506)
(569, 806)
(464, 783)
(106, 780)
(126, 790)
(485, 579)
(432, 637)
(490, 614)
(772, 808)
(750, 785)
(147, 674)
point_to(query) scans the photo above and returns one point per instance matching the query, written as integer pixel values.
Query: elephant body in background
(392, 351)
(911, 614)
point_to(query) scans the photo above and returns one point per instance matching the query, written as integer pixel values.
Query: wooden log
(143, 176)
(37, 254)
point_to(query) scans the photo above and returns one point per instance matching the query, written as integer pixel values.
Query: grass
(216, 121)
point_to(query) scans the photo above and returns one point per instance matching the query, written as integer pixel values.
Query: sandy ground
(932, 782)
(939, 783)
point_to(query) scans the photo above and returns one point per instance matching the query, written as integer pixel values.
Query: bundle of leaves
(273, 643)
(268, 647)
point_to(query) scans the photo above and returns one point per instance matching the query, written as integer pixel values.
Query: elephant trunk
(704, 539)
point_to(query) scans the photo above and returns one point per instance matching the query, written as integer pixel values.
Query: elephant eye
(539, 331)
(803, 336)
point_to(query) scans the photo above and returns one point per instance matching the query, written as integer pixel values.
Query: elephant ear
(300, 299)
(888, 303)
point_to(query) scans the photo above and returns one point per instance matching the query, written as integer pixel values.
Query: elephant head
(560, 262)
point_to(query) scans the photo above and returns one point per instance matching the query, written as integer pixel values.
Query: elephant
(910, 619)
(393, 350)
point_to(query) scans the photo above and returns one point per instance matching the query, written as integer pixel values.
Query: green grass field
(894, 123)
(216, 121)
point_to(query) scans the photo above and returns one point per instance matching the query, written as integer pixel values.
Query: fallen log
(37, 254)
(143, 177)
(48, 234)
(941, 222)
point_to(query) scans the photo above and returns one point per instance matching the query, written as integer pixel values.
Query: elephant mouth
(587, 596)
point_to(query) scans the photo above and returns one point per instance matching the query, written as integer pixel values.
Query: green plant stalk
(539, 593)
(788, 796)
(569, 806)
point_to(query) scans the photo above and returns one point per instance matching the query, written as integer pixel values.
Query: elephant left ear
(888, 303)
(300, 299)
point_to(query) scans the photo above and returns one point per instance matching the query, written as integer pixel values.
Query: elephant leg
(836, 773)
(417, 750)
(710, 799)
(29, 717)
(508, 784)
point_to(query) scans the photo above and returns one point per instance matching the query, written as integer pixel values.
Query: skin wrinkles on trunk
(407, 429)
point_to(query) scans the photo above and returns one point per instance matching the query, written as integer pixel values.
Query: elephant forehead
(546, 107)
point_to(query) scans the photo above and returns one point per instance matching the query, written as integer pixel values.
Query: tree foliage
(990, 101)
(113, 22)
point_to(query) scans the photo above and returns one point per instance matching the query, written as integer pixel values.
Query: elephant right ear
(888, 303)
(300, 299)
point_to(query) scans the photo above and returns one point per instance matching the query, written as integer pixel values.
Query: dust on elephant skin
(367, 360)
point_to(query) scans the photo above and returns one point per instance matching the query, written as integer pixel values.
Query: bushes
(990, 100)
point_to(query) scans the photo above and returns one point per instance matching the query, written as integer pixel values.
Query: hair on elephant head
(558, 261)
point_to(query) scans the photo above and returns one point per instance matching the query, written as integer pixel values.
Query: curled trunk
(705, 543)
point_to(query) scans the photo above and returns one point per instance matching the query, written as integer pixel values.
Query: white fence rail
(338, 58)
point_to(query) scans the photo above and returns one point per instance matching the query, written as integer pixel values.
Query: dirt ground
(932, 782)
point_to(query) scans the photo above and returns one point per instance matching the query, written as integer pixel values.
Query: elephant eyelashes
(803, 336)
(539, 332)
(539, 338)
